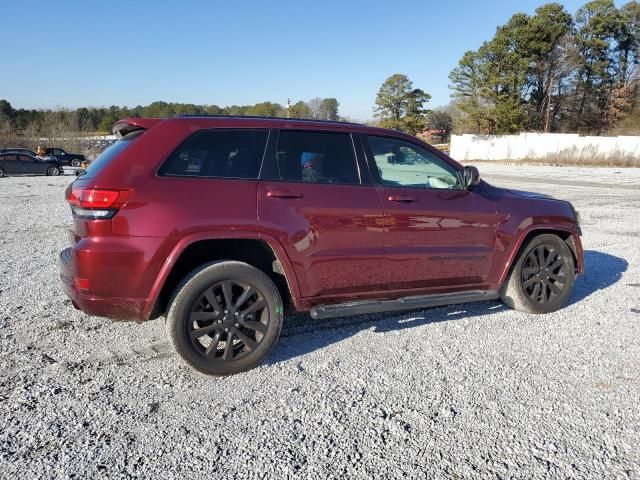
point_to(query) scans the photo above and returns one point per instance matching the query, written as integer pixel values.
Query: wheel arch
(261, 252)
(566, 234)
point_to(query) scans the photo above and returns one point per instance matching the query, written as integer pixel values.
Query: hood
(523, 193)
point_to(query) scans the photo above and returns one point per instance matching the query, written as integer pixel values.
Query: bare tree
(315, 105)
(8, 134)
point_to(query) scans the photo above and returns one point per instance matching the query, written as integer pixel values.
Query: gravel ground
(466, 391)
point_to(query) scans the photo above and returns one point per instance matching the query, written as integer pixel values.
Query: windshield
(110, 153)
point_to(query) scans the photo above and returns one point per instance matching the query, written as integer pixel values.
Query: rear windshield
(110, 153)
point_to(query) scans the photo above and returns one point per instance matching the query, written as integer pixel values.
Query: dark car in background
(16, 163)
(66, 158)
(27, 151)
(18, 150)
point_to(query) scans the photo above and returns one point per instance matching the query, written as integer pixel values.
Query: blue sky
(76, 53)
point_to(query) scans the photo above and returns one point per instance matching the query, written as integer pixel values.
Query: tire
(536, 286)
(2, 173)
(75, 163)
(252, 334)
(53, 171)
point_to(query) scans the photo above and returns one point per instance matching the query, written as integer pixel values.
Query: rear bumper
(116, 308)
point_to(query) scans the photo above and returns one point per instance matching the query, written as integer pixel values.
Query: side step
(406, 303)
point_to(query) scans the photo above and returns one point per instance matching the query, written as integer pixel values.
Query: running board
(406, 303)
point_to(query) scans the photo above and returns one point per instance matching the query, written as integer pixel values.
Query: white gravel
(466, 391)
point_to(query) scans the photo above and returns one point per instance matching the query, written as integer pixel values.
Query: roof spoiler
(124, 127)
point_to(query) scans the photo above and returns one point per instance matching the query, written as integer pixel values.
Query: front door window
(403, 164)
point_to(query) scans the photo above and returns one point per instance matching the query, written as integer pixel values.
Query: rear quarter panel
(160, 212)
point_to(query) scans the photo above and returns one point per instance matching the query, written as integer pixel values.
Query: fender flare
(182, 244)
(522, 234)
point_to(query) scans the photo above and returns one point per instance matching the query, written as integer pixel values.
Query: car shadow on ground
(301, 334)
(601, 271)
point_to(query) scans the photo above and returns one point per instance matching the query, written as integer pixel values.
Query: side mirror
(470, 177)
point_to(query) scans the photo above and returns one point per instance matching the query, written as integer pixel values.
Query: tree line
(551, 71)
(90, 119)
(554, 72)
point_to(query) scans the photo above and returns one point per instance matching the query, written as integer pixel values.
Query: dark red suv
(221, 223)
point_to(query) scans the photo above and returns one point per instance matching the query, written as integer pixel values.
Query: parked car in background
(17, 150)
(17, 163)
(65, 158)
(333, 218)
(41, 154)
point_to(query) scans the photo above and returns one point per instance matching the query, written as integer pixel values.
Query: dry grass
(585, 157)
(52, 130)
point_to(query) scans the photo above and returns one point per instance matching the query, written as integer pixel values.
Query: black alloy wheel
(544, 275)
(225, 317)
(542, 278)
(228, 321)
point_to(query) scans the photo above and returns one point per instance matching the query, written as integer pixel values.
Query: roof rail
(258, 117)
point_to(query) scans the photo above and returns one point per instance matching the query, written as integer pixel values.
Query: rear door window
(316, 157)
(218, 154)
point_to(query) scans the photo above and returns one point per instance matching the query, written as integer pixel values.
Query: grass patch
(585, 157)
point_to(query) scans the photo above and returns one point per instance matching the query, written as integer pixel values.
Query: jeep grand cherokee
(220, 223)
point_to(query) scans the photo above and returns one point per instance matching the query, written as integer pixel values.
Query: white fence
(540, 145)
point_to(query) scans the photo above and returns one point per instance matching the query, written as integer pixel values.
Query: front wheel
(541, 280)
(53, 171)
(224, 318)
(2, 173)
(75, 163)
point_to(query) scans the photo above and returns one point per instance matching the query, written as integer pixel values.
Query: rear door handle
(283, 194)
(402, 198)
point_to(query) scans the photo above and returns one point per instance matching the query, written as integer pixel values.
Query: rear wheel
(224, 318)
(75, 163)
(542, 279)
(53, 171)
(2, 173)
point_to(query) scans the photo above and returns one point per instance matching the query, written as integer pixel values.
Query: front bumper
(575, 244)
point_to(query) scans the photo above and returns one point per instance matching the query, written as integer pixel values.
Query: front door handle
(402, 198)
(283, 194)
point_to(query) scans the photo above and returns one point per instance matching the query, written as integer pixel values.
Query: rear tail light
(96, 202)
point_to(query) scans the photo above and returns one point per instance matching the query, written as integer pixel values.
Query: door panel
(332, 234)
(440, 238)
(437, 233)
(11, 165)
(311, 198)
(30, 166)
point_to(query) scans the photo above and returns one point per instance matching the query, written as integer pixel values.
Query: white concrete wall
(539, 145)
